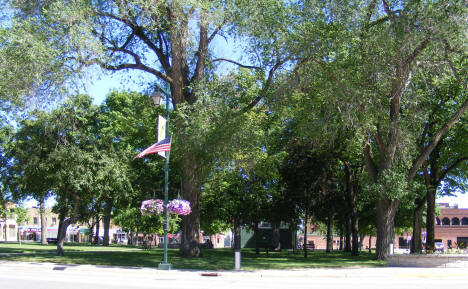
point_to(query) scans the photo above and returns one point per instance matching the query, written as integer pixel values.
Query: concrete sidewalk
(50, 275)
(316, 272)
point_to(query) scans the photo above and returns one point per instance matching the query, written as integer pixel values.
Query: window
(464, 221)
(446, 221)
(35, 220)
(455, 221)
(54, 221)
(264, 225)
(461, 242)
(12, 231)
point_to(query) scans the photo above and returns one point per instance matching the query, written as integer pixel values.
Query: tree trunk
(386, 211)
(91, 231)
(43, 222)
(5, 218)
(275, 237)
(351, 198)
(5, 229)
(305, 235)
(355, 232)
(190, 243)
(98, 225)
(237, 244)
(64, 223)
(347, 236)
(370, 243)
(293, 236)
(257, 238)
(107, 220)
(361, 239)
(430, 218)
(416, 242)
(62, 229)
(329, 233)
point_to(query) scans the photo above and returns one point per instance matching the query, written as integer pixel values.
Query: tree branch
(370, 164)
(201, 52)
(236, 63)
(379, 139)
(417, 51)
(139, 32)
(266, 87)
(138, 66)
(451, 167)
(452, 67)
(387, 8)
(370, 8)
(435, 140)
(215, 32)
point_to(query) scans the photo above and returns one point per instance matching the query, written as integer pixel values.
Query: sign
(161, 132)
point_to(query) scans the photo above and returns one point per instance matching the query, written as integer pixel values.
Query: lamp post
(157, 98)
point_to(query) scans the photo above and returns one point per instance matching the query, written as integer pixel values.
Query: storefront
(30, 233)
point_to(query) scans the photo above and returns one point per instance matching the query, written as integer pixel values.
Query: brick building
(452, 226)
(318, 240)
(451, 229)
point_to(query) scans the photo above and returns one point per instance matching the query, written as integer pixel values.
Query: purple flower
(179, 207)
(152, 207)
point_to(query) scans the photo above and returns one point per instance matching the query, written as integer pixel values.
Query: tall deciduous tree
(382, 44)
(168, 40)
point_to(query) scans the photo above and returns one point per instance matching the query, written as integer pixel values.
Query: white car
(439, 246)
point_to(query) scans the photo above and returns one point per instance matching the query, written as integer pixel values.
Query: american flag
(162, 146)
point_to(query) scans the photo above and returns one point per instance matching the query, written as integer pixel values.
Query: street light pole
(165, 265)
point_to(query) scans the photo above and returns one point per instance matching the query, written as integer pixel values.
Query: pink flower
(179, 207)
(152, 207)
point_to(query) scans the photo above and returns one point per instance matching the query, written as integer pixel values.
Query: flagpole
(165, 265)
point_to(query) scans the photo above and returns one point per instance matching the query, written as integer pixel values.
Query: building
(452, 227)
(31, 230)
(265, 231)
(8, 226)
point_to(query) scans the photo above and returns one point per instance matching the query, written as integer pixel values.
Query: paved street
(50, 276)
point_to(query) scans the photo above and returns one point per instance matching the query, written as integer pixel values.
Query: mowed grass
(212, 259)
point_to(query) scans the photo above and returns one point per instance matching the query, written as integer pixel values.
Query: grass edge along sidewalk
(212, 259)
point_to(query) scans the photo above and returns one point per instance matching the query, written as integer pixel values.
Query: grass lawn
(213, 259)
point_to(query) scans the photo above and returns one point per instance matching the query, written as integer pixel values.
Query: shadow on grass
(212, 259)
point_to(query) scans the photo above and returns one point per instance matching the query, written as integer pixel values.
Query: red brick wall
(442, 232)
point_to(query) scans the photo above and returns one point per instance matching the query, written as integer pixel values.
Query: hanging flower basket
(152, 207)
(179, 207)
(156, 207)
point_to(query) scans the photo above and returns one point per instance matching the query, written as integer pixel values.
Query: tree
(126, 121)
(166, 39)
(447, 163)
(5, 195)
(21, 216)
(53, 153)
(367, 75)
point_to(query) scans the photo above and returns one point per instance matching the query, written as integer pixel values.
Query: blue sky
(101, 83)
(460, 199)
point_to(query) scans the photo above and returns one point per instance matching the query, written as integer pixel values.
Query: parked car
(439, 246)
(52, 240)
